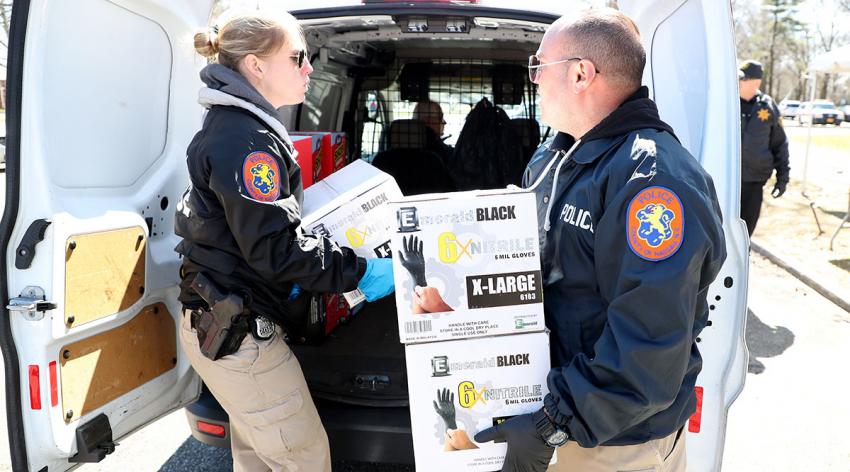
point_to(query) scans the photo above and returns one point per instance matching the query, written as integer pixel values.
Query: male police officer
(631, 238)
(764, 146)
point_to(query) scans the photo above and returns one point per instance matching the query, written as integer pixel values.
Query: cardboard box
(351, 207)
(304, 148)
(484, 381)
(334, 151)
(309, 147)
(482, 265)
(336, 311)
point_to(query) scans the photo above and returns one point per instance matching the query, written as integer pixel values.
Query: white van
(101, 107)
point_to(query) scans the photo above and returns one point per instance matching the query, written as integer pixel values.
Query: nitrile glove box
(481, 258)
(308, 149)
(334, 151)
(351, 207)
(475, 383)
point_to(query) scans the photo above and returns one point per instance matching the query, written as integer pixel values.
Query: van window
(456, 85)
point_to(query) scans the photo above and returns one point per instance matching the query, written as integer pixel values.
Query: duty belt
(260, 327)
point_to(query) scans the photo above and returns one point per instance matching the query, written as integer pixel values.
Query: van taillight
(35, 388)
(54, 392)
(211, 429)
(695, 423)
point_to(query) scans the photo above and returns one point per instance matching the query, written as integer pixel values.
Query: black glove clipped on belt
(779, 189)
(444, 405)
(413, 259)
(527, 452)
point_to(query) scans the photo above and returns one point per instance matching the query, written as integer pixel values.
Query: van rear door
(101, 108)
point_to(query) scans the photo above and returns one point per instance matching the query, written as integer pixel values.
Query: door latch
(31, 303)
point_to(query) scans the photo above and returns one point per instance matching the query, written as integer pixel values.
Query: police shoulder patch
(261, 176)
(655, 223)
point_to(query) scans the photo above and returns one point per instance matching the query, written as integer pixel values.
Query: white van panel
(109, 105)
(90, 128)
(692, 77)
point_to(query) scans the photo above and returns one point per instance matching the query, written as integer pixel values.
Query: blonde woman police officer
(238, 220)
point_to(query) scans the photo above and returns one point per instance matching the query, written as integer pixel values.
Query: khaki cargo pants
(273, 421)
(660, 455)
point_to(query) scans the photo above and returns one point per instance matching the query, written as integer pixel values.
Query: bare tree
(5, 21)
(783, 28)
(830, 32)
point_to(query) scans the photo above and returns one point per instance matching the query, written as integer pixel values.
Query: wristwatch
(552, 434)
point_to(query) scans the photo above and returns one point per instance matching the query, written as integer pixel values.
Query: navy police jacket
(631, 237)
(239, 218)
(764, 146)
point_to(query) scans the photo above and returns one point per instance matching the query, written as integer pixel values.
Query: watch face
(557, 438)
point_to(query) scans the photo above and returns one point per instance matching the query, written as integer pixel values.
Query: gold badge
(763, 114)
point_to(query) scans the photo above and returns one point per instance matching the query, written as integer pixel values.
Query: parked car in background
(789, 109)
(820, 112)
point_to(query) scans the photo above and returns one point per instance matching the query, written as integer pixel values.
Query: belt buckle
(262, 328)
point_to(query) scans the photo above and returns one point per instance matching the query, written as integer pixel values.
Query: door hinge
(26, 249)
(31, 303)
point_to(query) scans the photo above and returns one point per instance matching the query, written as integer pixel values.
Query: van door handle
(31, 303)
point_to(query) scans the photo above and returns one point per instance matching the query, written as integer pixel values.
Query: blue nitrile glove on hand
(378, 280)
(527, 451)
(295, 292)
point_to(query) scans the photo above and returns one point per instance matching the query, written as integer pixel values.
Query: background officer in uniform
(239, 222)
(764, 146)
(631, 238)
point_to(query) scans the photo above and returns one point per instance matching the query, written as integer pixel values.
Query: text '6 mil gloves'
(527, 452)
(378, 280)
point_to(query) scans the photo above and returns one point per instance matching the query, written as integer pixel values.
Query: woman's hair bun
(206, 42)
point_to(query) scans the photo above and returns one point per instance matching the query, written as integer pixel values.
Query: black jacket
(764, 146)
(631, 239)
(239, 218)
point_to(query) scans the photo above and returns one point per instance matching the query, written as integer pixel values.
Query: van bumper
(367, 434)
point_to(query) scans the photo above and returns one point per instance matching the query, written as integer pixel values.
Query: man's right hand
(527, 451)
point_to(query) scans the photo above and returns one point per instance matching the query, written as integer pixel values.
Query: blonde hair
(259, 34)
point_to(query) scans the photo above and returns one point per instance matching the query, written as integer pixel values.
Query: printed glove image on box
(458, 388)
(467, 265)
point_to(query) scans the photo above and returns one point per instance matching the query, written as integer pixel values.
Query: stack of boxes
(320, 154)
(470, 310)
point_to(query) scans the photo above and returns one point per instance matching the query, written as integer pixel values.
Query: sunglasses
(534, 65)
(299, 58)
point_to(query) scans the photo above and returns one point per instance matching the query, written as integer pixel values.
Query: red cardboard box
(309, 152)
(334, 151)
(336, 311)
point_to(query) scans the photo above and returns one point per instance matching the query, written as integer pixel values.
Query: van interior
(369, 75)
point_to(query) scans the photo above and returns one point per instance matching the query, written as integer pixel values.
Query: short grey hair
(610, 40)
